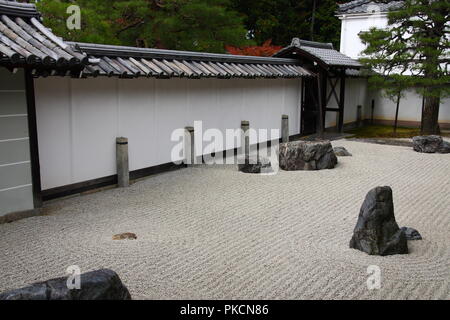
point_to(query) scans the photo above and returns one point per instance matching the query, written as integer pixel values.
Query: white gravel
(214, 233)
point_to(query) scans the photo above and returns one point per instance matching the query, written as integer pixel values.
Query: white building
(359, 16)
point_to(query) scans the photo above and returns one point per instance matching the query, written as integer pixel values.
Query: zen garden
(224, 150)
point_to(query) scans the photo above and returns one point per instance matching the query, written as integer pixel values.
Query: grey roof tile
(367, 6)
(322, 52)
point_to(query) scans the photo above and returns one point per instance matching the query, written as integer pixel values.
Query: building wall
(351, 25)
(410, 111)
(79, 119)
(15, 167)
(355, 94)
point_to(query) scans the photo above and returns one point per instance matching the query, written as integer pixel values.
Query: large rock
(102, 284)
(377, 232)
(341, 152)
(307, 155)
(430, 144)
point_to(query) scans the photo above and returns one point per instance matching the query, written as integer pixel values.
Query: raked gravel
(211, 232)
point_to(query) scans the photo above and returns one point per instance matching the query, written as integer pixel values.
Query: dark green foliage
(282, 20)
(198, 25)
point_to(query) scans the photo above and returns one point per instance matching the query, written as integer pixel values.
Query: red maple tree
(266, 50)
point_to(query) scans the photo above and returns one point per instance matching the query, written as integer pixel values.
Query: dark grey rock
(430, 144)
(307, 155)
(101, 284)
(444, 148)
(377, 232)
(411, 234)
(341, 152)
(260, 166)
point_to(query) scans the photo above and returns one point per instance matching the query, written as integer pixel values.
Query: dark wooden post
(33, 134)
(320, 117)
(373, 110)
(342, 102)
(396, 113)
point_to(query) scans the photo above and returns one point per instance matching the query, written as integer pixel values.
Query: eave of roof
(18, 9)
(26, 43)
(362, 6)
(321, 53)
(131, 62)
(123, 51)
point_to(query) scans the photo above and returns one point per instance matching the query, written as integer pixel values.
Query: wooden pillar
(359, 116)
(189, 147)
(342, 102)
(284, 128)
(373, 110)
(33, 140)
(324, 97)
(320, 117)
(245, 126)
(123, 174)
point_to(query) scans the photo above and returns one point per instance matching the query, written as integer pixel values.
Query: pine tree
(413, 52)
(198, 25)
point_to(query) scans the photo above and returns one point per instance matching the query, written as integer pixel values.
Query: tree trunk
(431, 116)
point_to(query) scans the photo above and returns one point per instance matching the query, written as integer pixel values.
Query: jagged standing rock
(377, 232)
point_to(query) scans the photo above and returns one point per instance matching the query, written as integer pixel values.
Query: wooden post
(123, 174)
(320, 118)
(373, 110)
(245, 126)
(396, 113)
(359, 116)
(189, 147)
(284, 128)
(342, 102)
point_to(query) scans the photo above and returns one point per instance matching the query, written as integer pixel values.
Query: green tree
(282, 20)
(198, 25)
(413, 52)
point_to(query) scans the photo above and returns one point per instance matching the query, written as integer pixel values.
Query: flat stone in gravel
(341, 152)
(411, 234)
(377, 232)
(260, 166)
(101, 284)
(307, 155)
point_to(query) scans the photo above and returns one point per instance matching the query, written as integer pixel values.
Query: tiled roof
(24, 41)
(320, 52)
(368, 6)
(130, 62)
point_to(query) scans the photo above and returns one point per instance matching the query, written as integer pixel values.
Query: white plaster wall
(410, 107)
(355, 94)
(79, 119)
(351, 45)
